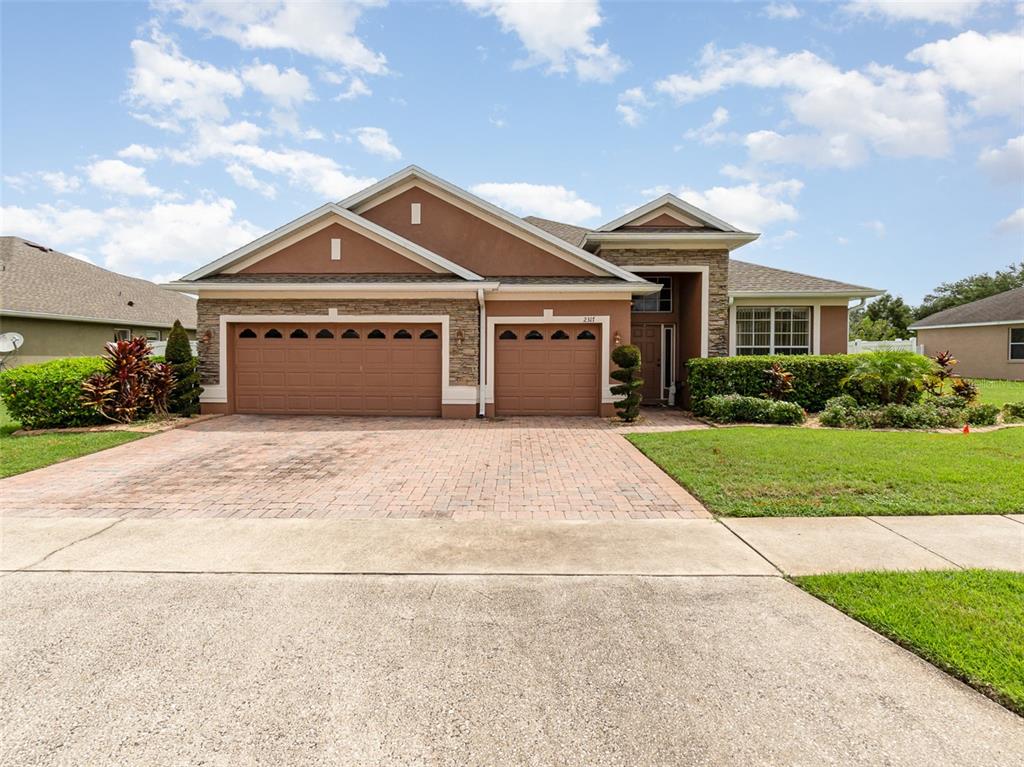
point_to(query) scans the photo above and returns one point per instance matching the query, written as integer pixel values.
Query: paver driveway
(266, 466)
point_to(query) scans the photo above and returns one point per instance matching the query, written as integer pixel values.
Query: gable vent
(335, 250)
(415, 212)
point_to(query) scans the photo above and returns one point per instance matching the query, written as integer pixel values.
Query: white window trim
(335, 249)
(450, 395)
(815, 330)
(1010, 343)
(415, 213)
(548, 318)
(705, 293)
(128, 332)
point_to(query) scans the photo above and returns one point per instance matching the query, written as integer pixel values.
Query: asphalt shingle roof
(1002, 307)
(574, 235)
(256, 279)
(39, 280)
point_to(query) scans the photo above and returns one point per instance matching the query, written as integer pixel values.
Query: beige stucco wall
(983, 352)
(47, 340)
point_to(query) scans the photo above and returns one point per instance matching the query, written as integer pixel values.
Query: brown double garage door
(395, 369)
(336, 369)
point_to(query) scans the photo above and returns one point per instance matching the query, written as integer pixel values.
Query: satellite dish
(11, 342)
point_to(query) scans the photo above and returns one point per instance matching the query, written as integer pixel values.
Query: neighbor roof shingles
(1002, 307)
(37, 280)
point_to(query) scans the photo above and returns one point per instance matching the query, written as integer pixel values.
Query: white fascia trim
(357, 202)
(671, 201)
(705, 294)
(331, 287)
(631, 288)
(450, 395)
(352, 218)
(845, 294)
(677, 240)
(95, 320)
(548, 319)
(966, 325)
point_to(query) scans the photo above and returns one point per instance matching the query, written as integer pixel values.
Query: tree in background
(185, 397)
(885, 318)
(973, 288)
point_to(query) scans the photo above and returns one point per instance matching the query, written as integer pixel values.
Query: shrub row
(930, 413)
(736, 408)
(1013, 411)
(816, 378)
(48, 395)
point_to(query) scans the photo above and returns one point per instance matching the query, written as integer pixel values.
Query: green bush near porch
(816, 378)
(48, 395)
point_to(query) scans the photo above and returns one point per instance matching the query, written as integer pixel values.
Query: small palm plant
(892, 377)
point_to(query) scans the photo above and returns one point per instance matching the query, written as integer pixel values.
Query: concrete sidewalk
(396, 546)
(809, 545)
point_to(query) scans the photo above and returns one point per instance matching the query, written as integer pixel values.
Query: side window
(508, 335)
(122, 334)
(247, 333)
(350, 333)
(298, 333)
(324, 333)
(375, 333)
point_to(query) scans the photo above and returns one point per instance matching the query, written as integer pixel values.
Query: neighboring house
(66, 307)
(986, 336)
(417, 297)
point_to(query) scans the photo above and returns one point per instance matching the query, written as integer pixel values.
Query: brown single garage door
(334, 369)
(547, 370)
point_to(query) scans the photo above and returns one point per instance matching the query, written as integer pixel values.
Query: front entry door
(648, 338)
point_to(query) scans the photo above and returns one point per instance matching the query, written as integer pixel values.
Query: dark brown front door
(648, 338)
(336, 369)
(547, 369)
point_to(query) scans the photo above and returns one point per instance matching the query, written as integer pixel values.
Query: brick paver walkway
(266, 466)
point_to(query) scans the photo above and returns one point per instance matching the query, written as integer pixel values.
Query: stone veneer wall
(717, 262)
(463, 318)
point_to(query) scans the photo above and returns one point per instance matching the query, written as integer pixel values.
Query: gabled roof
(1001, 309)
(575, 235)
(359, 200)
(675, 203)
(746, 279)
(39, 281)
(398, 242)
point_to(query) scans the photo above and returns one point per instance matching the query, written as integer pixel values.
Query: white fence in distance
(897, 344)
(159, 347)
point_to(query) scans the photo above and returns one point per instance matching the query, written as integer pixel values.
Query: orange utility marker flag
(967, 428)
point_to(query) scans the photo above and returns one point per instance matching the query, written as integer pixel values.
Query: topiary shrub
(815, 377)
(1013, 411)
(184, 398)
(736, 408)
(47, 395)
(982, 415)
(627, 357)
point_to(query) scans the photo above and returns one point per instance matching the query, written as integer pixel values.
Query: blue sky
(879, 143)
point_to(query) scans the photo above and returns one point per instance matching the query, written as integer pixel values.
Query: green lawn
(21, 454)
(788, 472)
(969, 623)
(999, 392)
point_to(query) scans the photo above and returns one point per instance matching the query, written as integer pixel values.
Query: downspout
(481, 412)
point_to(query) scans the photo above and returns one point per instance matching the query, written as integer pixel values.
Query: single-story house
(66, 307)
(415, 297)
(986, 336)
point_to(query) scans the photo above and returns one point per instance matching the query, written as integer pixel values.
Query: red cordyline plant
(778, 382)
(945, 372)
(132, 384)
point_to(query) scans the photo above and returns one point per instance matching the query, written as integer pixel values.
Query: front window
(152, 335)
(1017, 344)
(773, 330)
(656, 302)
(122, 334)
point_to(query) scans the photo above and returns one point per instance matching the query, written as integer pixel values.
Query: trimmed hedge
(48, 395)
(931, 413)
(735, 408)
(816, 378)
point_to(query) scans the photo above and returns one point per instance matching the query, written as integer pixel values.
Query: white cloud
(356, 88)
(783, 11)
(138, 152)
(244, 177)
(1005, 163)
(558, 34)
(119, 177)
(778, 242)
(543, 200)
(323, 30)
(751, 206)
(631, 103)
(843, 240)
(285, 88)
(876, 226)
(138, 240)
(989, 69)
(166, 82)
(58, 181)
(377, 141)
(934, 11)
(709, 133)
(894, 113)
(321, 174)
(1012, 224)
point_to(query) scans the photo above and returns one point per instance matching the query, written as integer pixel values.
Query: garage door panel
(548, 375)
(336, 375)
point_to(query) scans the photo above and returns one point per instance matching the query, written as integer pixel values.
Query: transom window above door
(655, 302)
(773, 330)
